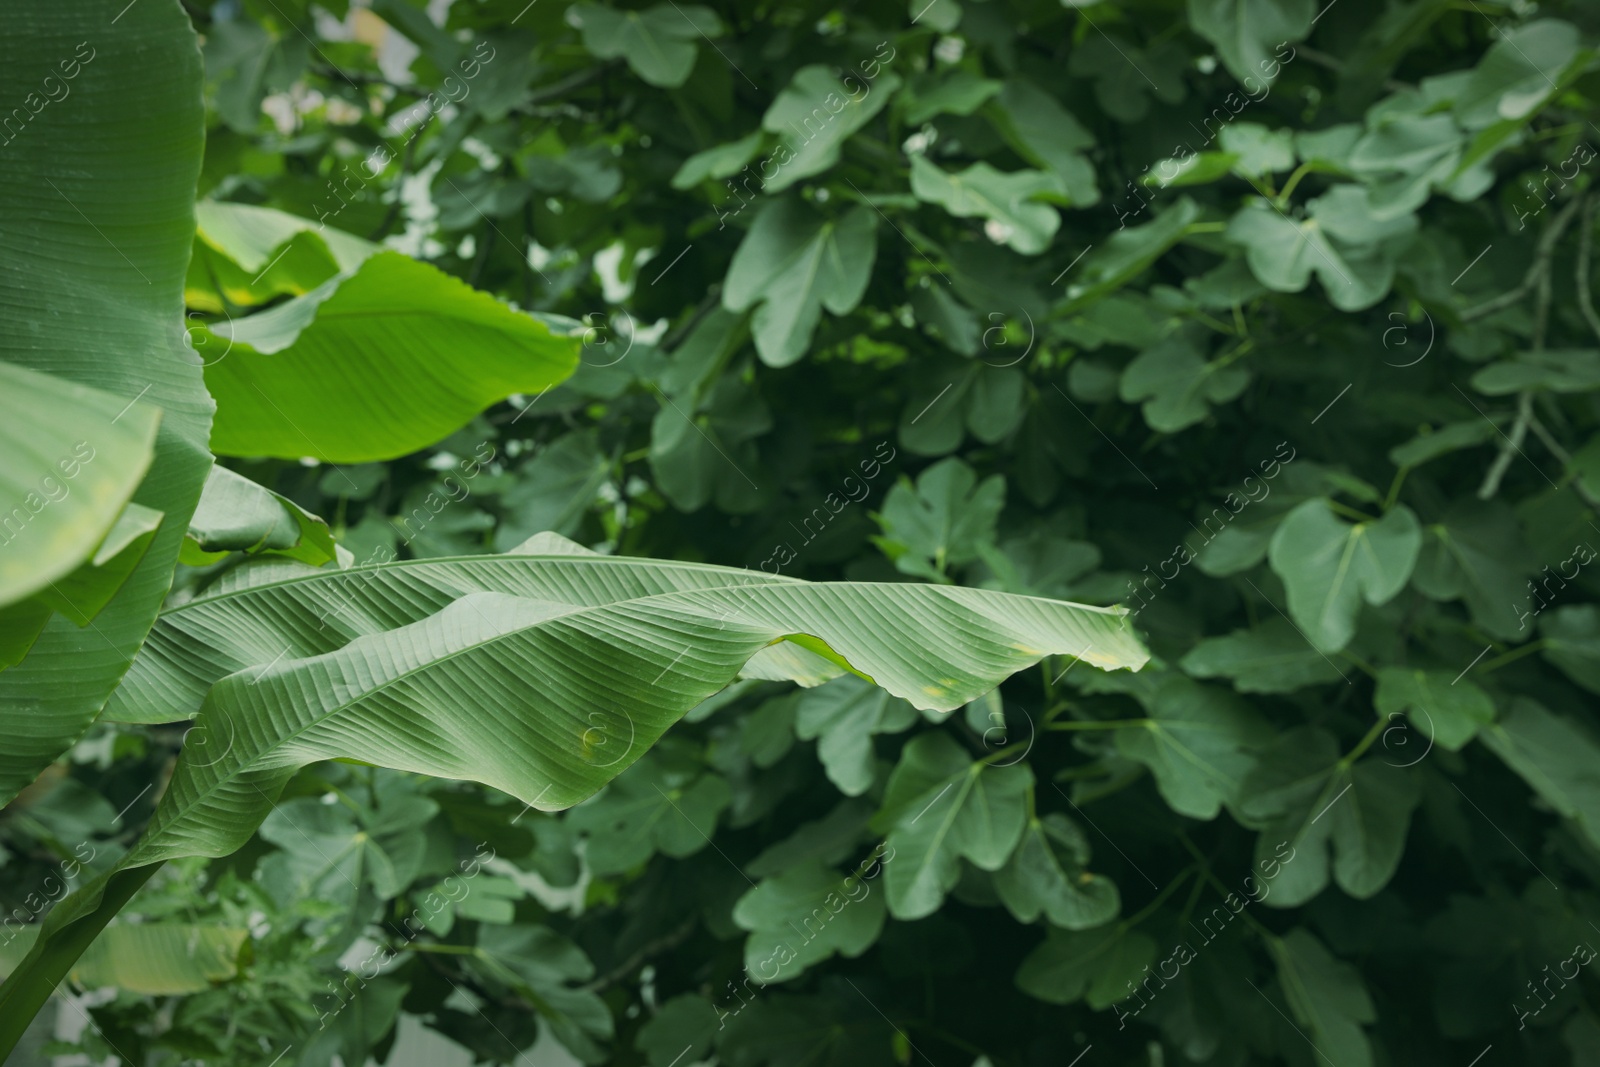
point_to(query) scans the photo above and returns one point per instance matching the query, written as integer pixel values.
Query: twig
(1565, 459)
(1510, 445)
(571, 83)
(646, 952)
(1539, 267)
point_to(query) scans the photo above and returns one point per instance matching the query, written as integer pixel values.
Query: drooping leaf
(375, 363)
(1009, 201)
(1555, 755)
(1272, 658)
(236, 514)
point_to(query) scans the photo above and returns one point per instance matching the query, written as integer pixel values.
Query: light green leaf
(795, 264)
(1047, 875)
(1248, 33)
(73, 457)
(658, 42)
(1177, 385)
(803, 916)
(941, 807)
(374, 364)
(816, 114)
(1009, 200)
(246, 255)
(1198, 745)
(1096, 966)
(957, 92)
(95, 232)
(842, 717)
(236, 514)
(1345, 242)
(1329, 567)
(1519, 73)
(942, 522)
(1259, 150)
(1327, 997)
(1272, 658)
(1447, 709)
(160, 959)
(718, 162)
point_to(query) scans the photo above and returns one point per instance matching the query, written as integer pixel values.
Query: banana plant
(543, 672)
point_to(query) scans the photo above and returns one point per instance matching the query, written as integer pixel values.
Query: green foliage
(1271, 321)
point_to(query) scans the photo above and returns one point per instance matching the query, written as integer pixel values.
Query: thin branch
(571, 83)
(1540, 266)
(1509, 446)
(1564, 457)
(647, 952)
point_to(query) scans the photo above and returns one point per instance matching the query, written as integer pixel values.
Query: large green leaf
(375, 363)
(96, 222)
(234, 627)
(1197, 743)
